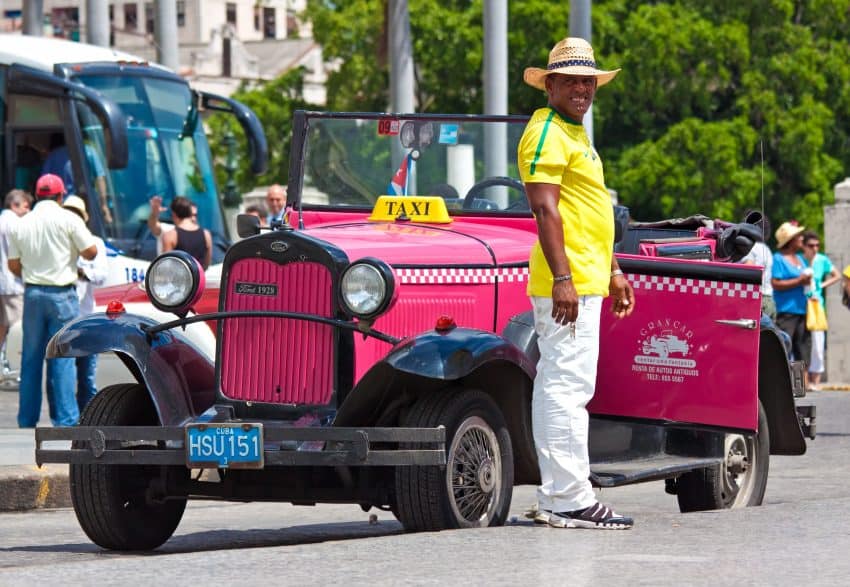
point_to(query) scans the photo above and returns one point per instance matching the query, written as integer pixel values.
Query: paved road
(798, 536)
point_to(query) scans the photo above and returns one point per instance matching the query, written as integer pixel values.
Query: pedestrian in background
(259, 211)
(90, 274)
(187, 234)
(790, 277)
(17, 203)
(571, 269)
(275, 203)
(158, 228)
(43, 250)
(761, 255)
(824, 274)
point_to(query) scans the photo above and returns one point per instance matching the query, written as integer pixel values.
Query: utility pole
(580, 27)
(97, 22)
(496, 92)
(401, 57)
(165, 32)
(33, 17)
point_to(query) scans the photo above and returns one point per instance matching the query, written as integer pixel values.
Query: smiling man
(571, 269)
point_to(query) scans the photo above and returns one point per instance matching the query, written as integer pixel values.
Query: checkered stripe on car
(459, 275)
(694, 286)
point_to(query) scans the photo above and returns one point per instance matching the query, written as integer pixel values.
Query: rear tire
(111, 501)
(474, 489)
(740, 481)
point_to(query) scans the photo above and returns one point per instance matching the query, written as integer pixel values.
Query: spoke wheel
(475, 469)
(474, 488)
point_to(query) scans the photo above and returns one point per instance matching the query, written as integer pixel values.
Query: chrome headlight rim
(196, 276)
(385, 273)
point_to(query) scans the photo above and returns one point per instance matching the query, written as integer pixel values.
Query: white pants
(818, 343)
(565, 382)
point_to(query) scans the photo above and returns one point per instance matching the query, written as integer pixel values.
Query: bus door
(42, 113)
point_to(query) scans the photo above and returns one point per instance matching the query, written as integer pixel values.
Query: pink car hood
(418, 244)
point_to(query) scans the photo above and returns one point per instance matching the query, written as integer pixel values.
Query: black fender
(776, 392)
(433, 361)
(179, 377)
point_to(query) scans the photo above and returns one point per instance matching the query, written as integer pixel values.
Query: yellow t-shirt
(557, 151)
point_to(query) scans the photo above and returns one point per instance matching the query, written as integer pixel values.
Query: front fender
(428, 362)
(454, 354)
(179, 377)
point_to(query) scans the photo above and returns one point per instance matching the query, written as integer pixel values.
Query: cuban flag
(398, 184)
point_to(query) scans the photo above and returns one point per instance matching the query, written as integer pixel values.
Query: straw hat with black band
(570, 56)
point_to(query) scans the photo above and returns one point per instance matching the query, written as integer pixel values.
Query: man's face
(275, 200)
(571, 94)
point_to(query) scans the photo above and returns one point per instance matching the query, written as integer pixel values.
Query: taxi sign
(426, 209)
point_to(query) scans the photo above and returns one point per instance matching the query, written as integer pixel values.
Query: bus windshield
(162, 161)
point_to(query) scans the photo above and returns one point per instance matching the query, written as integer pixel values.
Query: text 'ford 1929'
(378, 350)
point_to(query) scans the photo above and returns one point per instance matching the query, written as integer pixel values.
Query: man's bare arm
(15, 266)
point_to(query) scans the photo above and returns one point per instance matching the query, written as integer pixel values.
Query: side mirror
(247, 225)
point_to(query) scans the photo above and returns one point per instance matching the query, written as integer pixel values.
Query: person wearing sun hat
(571, 269)
(789, 278)
(90, 274)
(43, 250)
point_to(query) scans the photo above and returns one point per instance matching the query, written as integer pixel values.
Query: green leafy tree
(273, 102)
(719, 101)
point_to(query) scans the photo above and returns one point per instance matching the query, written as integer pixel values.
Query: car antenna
(761, 151)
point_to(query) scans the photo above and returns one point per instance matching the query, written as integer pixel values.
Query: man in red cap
(43, 250)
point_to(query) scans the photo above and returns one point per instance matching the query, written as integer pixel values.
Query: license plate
(223, 446)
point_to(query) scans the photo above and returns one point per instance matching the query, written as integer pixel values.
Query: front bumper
(165, 445)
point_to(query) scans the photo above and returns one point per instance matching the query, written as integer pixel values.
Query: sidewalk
(23, 486)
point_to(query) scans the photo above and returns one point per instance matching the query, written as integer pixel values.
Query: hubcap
(474, 472)
(737, 478)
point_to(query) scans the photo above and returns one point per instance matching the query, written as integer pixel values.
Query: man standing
(43, 249)
(17, 204)
(571, 268)
(275, 203)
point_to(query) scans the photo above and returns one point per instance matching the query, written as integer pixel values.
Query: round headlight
(367, 288)
(173, 282)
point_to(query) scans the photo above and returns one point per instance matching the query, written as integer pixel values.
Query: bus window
(34, 110)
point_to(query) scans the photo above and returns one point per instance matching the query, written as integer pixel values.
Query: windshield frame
(302, 120)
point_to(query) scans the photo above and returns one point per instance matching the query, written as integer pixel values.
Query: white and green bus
(136, 121)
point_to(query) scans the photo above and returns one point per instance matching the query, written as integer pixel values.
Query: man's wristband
(616, 272)
(562, 278)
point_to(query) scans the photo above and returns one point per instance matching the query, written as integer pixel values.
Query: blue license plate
(223, 446)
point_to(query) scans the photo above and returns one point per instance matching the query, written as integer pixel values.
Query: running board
(616, 473)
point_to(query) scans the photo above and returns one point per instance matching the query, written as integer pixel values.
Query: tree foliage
(274, 103)
(720, 102)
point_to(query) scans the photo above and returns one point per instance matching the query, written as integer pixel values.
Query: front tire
(112, 502)
(474, 489)
(740, 481)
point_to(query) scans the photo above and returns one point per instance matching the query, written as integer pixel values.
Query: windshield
(162, 161)
(470, 161)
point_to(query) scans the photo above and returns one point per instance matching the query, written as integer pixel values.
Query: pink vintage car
(378, 349)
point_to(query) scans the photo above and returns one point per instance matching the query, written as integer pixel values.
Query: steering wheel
(473, 202)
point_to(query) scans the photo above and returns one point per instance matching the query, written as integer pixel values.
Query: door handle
(740, 323)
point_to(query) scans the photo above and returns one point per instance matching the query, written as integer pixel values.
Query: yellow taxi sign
(426, 209)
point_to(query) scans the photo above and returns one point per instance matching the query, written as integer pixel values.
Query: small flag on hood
(398, 184)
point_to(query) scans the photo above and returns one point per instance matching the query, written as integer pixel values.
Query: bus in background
(132, 130)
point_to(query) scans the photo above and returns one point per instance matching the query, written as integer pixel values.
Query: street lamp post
(231, 196)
